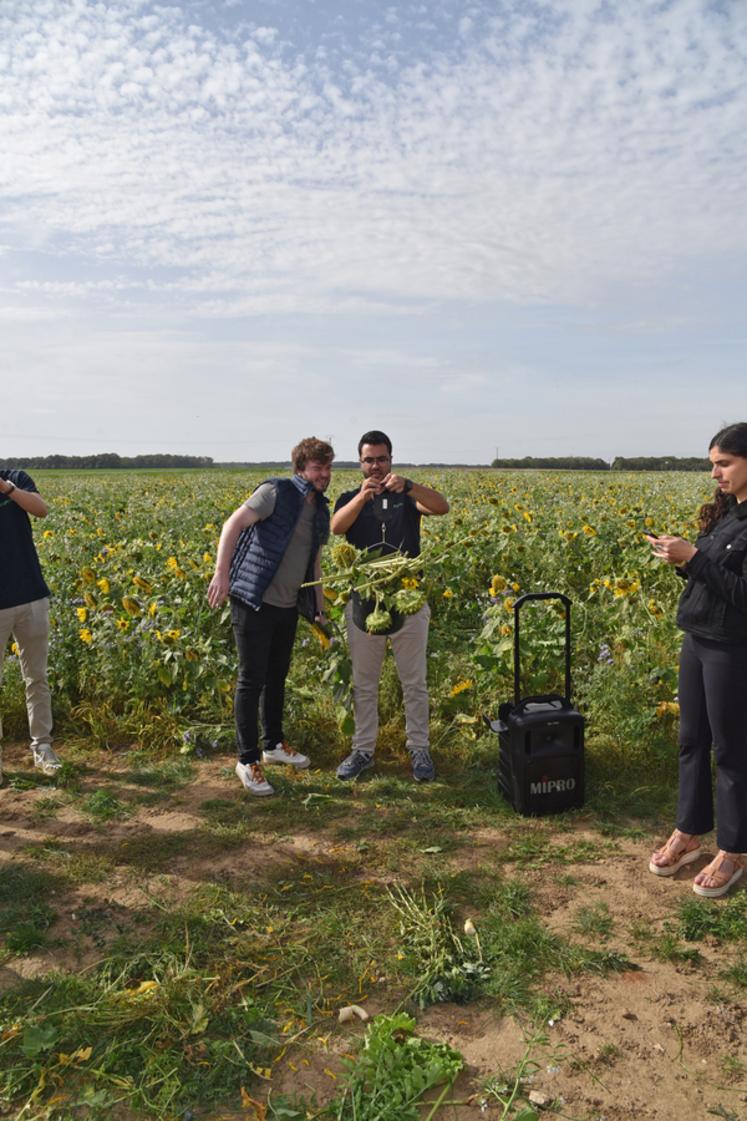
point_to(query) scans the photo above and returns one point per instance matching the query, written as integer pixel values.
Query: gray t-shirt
(283, 591)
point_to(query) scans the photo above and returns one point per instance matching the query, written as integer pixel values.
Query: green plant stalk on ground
(509, 1091)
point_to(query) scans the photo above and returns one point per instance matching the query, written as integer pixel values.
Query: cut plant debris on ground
(172, 949)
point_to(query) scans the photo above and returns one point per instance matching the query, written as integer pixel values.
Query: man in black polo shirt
(384, 513)
(24, 608)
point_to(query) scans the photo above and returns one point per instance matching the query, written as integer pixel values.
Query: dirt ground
(665, 1041)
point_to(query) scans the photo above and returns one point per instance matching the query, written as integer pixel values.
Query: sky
(512, 227)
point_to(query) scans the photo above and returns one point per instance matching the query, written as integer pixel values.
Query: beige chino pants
(29, 625)
(409, 646)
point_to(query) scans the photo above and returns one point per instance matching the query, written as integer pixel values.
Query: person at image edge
(713, 672)
(24, 609)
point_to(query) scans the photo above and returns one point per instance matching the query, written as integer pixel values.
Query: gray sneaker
(355, 762)
(46, 759)
(423, 769)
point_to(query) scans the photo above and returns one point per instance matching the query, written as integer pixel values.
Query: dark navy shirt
(390, 522)
(21, 579)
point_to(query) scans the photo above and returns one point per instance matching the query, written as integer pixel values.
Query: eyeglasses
(369, 460)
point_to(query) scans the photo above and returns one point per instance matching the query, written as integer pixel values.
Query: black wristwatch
(408, 486)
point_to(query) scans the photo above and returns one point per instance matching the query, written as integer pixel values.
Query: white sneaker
(45, 759)
(252, 778)
(284, 753)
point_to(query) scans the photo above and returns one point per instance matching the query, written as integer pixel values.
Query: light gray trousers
(409, 646)
(29, 625)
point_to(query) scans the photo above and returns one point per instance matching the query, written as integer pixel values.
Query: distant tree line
(555, 463)
(547, 463)
(619, 463)
(661, 463)
(107, 459)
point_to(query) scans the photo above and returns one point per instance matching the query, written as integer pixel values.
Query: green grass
(162, 1035)
(47, 807)
(25, 916)
(536, 847)
(594, 920)
(102, 806)
(156, 853)
(666, 946)
(167, 776)
(27, 780)
(628, 793)
(725, 921)
(69, 776)
(75, 866)
(736, 974)
(732, 1067)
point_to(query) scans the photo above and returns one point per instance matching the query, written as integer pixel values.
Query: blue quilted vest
(261, 547)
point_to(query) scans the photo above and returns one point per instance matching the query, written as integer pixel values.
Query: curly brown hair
(311, 450)
(732, 439)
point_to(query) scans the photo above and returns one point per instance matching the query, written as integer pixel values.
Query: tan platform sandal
(679, 850)
(724, 871)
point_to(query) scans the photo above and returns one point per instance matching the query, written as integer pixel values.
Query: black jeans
(713, 711)
(264, 641)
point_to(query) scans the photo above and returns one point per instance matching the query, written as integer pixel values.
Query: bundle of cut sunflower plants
(387, 585)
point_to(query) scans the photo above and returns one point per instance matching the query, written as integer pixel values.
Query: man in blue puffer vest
(268, 548)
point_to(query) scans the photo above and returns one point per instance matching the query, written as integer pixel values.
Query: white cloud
(552, 154)
(333, 216)
(29, 313)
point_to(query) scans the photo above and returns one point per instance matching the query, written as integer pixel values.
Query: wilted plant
(447, 968)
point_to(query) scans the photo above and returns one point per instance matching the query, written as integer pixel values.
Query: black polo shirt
(390, 522)
(21, 579)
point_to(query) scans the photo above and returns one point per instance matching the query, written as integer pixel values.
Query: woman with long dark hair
(713, 675)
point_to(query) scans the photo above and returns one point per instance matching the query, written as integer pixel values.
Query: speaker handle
(517, 607)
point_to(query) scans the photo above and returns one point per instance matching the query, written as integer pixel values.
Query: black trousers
(264, 641)
(713, 713)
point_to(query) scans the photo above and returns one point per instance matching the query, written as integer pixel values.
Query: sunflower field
(137, 655)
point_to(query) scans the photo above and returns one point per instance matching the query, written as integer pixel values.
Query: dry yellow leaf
(260, 1110)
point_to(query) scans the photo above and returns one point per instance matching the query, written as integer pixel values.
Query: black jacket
(714, 603)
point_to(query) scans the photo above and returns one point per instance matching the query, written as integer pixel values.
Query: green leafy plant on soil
(392, 1073)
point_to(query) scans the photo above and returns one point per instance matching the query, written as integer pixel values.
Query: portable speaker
(541, 739)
